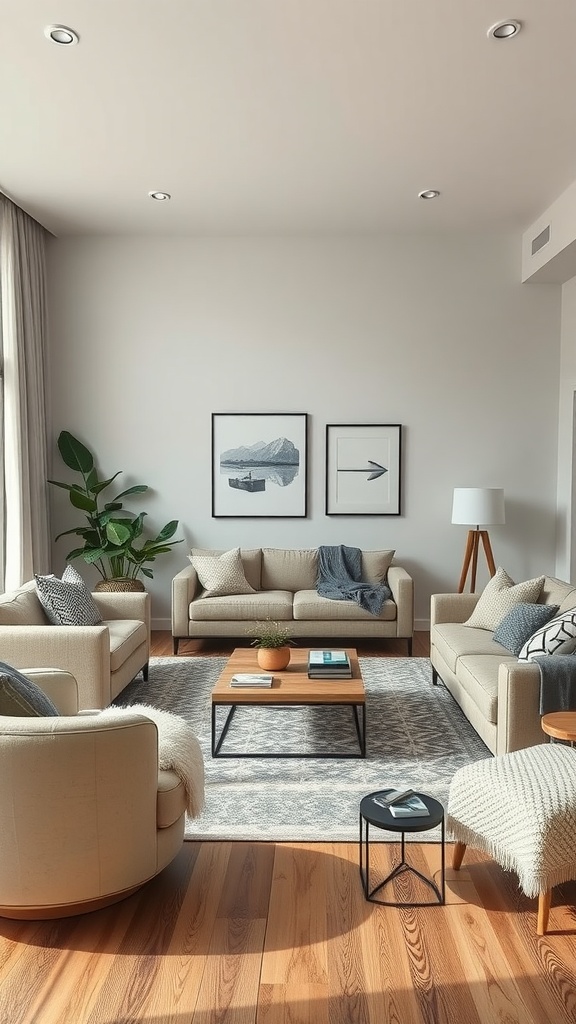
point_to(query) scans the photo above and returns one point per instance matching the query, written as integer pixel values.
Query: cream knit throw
(520, 808)
(178, 749)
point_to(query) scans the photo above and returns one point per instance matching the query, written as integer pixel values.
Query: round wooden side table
(560, 725)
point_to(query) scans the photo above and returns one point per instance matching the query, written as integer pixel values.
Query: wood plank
(296, 938)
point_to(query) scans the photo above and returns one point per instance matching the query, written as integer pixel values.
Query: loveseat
(499, 694)
(282, 586)
(102, 658)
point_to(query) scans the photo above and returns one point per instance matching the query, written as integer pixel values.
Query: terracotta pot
(120, 585)
(273, 659)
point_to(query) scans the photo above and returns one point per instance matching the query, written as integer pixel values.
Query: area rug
(417, 736)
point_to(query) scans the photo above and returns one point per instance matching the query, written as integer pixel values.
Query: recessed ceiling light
(160, 196)
(504, 29)
(429, 193)
(62, 35)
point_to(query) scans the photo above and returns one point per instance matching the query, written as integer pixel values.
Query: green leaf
(82, 500)
(65, 487)
(147, 572)
(74, 454)
(168, 531)
(136, 489)
(117, 533)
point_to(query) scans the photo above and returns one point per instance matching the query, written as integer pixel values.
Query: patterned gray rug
(417, 736)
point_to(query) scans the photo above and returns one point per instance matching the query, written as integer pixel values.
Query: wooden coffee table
(289, 687)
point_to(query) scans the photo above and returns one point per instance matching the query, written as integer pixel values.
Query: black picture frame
(363, 469)
(259, 465)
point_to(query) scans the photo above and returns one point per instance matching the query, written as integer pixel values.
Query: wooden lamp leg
(488, 552)
(471, 558)
(467, 559)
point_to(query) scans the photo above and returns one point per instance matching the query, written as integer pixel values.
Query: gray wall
(148, 337)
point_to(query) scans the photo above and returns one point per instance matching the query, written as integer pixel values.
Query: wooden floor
(280, 933)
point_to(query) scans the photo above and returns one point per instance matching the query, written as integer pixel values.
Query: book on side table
(411, 807)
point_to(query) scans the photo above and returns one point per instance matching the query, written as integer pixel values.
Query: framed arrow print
(363, 469)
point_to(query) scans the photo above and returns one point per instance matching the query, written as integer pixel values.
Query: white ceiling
(275, 116)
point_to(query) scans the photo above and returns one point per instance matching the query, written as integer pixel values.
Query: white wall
(150, 336)
(566, 561)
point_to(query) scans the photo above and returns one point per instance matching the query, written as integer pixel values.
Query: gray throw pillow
(521, 622)
(21, 698)
(67, 602)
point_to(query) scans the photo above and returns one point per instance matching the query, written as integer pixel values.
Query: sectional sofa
(283, 582)
(499, 694)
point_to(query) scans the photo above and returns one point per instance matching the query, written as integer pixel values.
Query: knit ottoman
(520, 808)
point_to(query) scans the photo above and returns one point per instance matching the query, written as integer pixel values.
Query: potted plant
(113, 536)
(272, 640)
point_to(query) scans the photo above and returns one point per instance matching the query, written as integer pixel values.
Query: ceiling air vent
(540, 240)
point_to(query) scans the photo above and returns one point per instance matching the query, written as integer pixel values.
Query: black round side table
(380, 817)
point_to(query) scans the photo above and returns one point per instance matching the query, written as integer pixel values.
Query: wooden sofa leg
(409, 640)
(544, 901)
(434, 677)
(145, 672)
(175, 644)
(458, 855)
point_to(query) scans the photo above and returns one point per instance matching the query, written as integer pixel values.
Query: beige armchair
(103, 659)
(86, 817)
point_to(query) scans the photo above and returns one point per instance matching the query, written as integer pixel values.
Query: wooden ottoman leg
(544, 901)
(458, 854)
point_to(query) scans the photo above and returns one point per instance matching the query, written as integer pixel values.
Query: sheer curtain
(24, 529)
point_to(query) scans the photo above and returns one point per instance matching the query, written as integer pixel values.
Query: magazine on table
(411, 807)
(329, 659)
(251, 679)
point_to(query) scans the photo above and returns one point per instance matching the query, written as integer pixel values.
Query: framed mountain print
(259, 464)
(363, 469)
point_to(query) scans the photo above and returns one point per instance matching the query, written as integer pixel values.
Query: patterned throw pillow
(67, 602)
(20, 697)
(553, 638)
(500, 595)
(222, 575)
(521, 622)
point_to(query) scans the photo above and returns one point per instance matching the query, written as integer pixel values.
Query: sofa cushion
(521, 622)
(478, 676)
(223, 574)
(126, 635)
(251, 562)
(308, 604)
(555, 637)
(272, 604)
(20, 697)
(556, 591)
(67, 601)
(171, 798)
(375, 565)
(453, 640)
(22, 607)
(289, 569)
(500, 595)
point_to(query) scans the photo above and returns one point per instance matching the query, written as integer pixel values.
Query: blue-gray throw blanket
(340, 578)
(557, 682)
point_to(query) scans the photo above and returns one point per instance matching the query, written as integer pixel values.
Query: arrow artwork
(374, 472)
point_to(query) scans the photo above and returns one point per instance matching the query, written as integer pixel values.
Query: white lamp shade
(478, 506)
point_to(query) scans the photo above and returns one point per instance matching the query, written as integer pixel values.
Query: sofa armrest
(185, 586)
(130, 605)
(61, 687)
(518, 707)
(402, 586)
(84, 651)
(452, 607)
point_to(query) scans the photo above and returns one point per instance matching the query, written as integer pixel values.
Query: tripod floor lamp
(476, 507)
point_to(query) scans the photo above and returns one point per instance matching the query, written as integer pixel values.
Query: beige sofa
(103, 659)
(499, 695)
(285, 585)
(87, 814)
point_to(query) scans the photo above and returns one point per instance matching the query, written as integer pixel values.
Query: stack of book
(329, 665)
(251, 679)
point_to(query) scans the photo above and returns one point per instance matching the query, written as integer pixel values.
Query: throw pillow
(222, 575)
(500, 595)
(22, 698)
(67, 602)
(520, 623)
(551, 638)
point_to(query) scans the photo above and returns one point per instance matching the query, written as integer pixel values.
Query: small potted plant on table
(273, 642)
